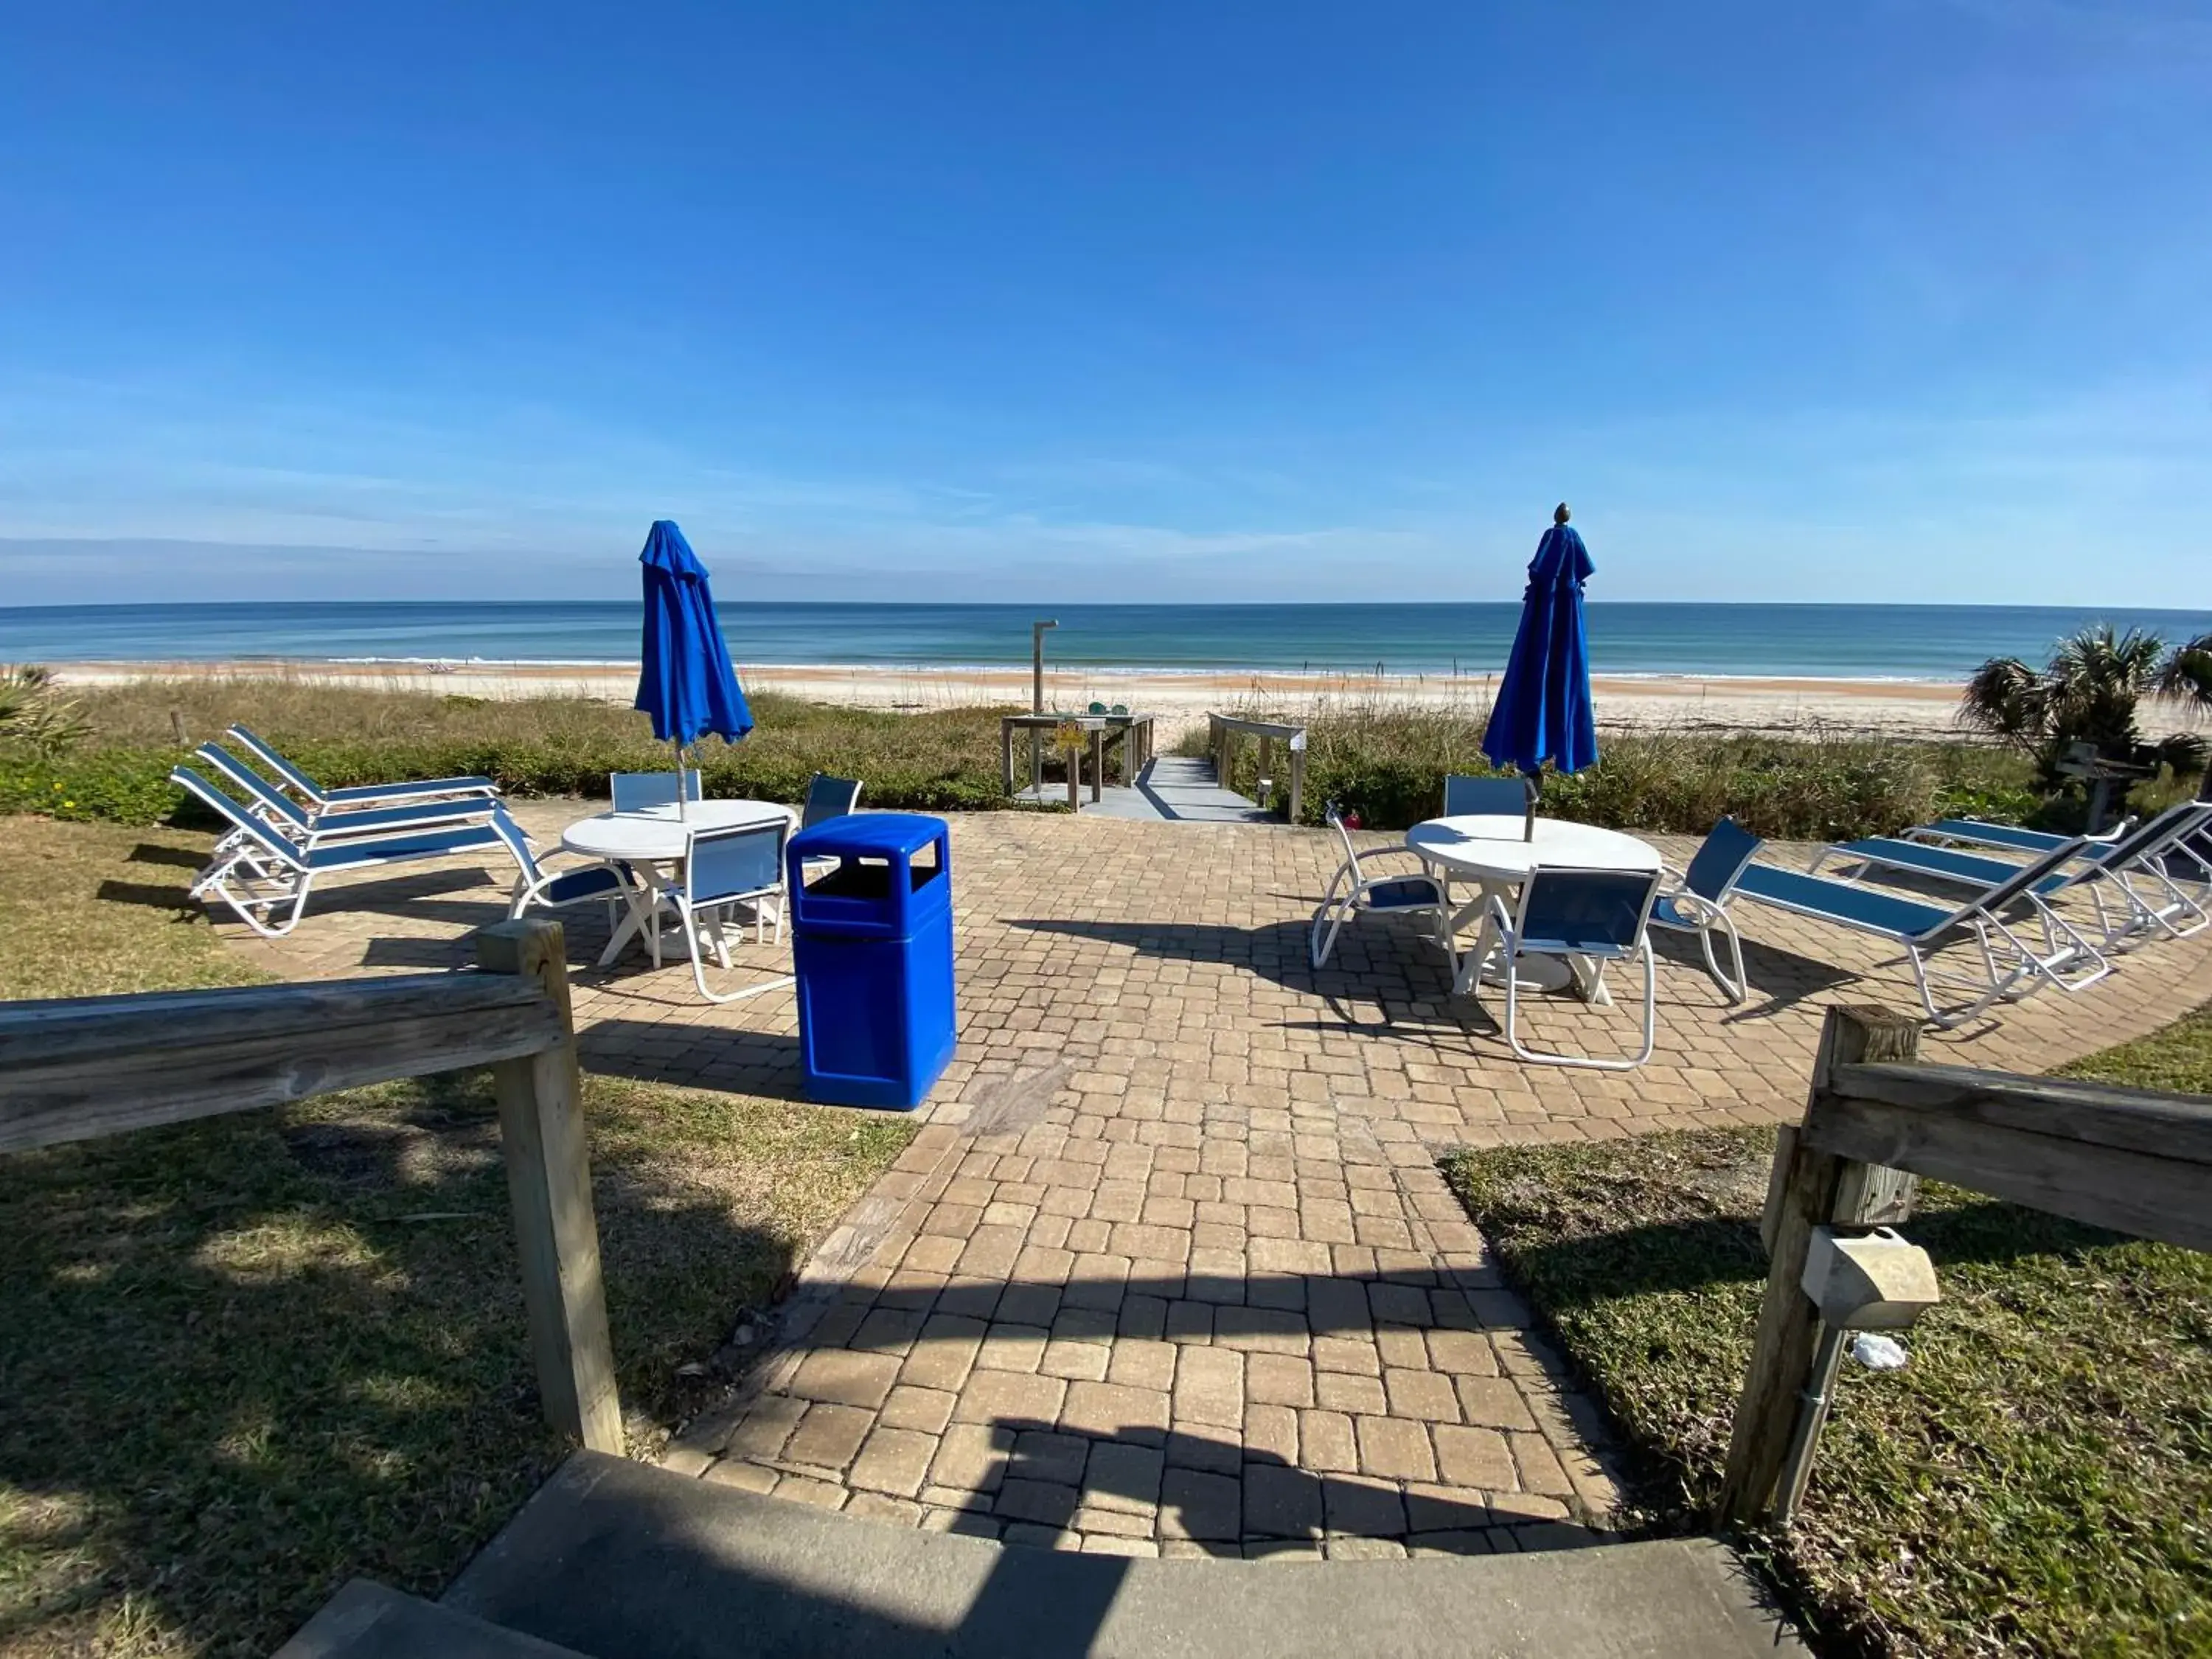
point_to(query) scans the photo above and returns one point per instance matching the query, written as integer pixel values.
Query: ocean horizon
(1752, 640)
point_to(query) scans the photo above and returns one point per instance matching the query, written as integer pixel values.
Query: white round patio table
(1495, 852)
(651, 841)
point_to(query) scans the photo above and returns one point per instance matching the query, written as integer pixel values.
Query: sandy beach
(1179, 698)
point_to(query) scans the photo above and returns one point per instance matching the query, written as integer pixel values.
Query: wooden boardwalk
(1171, 789)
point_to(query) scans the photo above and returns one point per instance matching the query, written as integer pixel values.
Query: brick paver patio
(1170, 1267)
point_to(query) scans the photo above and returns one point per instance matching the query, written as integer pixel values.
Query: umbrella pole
(682, 792)
(1532, 784)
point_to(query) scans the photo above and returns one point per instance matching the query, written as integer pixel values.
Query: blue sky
(1903, 300)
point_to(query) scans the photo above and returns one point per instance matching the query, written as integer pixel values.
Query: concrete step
(365, 1620)
(621, 1561)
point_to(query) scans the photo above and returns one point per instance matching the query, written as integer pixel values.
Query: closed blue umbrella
(685, 683)
(1543, 715)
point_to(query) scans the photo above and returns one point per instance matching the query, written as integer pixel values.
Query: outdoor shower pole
(1036, 701)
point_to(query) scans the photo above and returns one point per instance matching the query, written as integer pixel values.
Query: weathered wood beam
(2168, 1126)
(1807, 1190)
(77, 1069)
(549, 1182)
(2150, 1196)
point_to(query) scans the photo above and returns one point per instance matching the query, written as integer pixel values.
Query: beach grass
(2036, 1479)
(1388, 762)
(245, 1359)
(937, 761)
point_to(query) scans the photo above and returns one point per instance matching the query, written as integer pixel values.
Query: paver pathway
(1170, 1267)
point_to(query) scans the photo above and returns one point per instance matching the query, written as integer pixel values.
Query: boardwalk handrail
(2136, 1161)
(1222, 732)
(80, 1068)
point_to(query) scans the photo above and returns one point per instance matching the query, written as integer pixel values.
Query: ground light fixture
(1870, 1281)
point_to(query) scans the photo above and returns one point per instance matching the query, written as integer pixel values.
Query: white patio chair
(721, 869)
(1697, 901)
(1594, 915)
(635, 792)
(1352, 892)
(1466, 796)
(536, 888)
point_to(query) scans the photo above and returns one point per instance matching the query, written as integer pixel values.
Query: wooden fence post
(1809, 1190)
(549, 1182)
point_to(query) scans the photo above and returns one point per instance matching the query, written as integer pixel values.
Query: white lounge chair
(2012, 966)
(1352, 892)
(366, 794)
(2127, 880)
(265, 875)
(1586, 915)
(2008, 838)
(312, 826)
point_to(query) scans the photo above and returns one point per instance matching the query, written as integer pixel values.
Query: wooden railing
(1222, 732)
(2133, 1160)
(101, 1065)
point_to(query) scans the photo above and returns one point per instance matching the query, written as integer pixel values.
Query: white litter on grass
(1878, 1353)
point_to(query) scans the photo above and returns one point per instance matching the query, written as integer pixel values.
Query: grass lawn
(245, 1359)
(2039, 1480)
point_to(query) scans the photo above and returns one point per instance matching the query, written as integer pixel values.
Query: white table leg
(643, 899)
(1589, 981)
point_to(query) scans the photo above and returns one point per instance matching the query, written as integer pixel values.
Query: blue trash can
(872, 945)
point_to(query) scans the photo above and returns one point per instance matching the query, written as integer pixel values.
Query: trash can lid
(876, 833)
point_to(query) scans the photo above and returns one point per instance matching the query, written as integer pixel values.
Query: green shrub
(937, 762)
(1387, 764)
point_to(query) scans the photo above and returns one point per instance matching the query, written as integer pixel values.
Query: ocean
(1833, 641)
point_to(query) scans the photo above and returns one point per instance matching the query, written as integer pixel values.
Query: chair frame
(1357, 898)
(705, 917)
(312, 828)
(1506, 931)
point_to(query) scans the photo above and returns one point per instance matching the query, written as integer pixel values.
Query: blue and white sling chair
(2130, 881)
(309, 828)
(319, 798)
(1592, 915)
(1697, 901)
(723, 868)
(265, 874)
(1992, 920)
(1352, 892)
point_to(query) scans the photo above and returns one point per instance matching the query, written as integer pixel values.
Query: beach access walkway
(1170, 789)
(1170, 1268)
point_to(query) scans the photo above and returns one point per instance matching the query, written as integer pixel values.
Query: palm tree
(33, 712)
(2089, 692)
(2188, 673)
